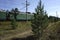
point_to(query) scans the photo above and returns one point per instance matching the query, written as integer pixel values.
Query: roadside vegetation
(6, 29)
(42, 26)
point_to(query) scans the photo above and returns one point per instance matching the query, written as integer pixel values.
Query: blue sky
(51, 6)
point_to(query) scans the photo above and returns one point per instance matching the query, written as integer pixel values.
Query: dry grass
(52, 31)
(21, 27)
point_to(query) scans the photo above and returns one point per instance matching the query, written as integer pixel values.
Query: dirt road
(24, 34)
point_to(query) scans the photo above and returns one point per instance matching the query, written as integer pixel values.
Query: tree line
(13, 12)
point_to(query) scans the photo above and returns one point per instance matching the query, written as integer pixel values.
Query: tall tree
(39, 23)
(7, 15)
(15, 12)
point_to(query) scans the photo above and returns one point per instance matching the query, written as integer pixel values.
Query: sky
(51, 6)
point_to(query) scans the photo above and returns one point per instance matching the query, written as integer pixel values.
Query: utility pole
(26, 7)
(27, 4)
(56, 16)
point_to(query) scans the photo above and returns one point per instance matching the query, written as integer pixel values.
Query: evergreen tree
(7, 15)
(14, 12)
(40, 21)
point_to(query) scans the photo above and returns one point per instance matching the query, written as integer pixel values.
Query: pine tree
(14, 13)
(40, 21)
(7, 15)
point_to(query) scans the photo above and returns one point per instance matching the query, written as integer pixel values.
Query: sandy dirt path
(24, 34)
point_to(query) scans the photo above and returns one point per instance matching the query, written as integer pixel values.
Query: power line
(22, 8)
